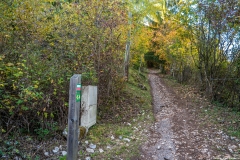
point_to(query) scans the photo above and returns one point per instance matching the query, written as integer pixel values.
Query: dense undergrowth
(129, 110)
(42, 44)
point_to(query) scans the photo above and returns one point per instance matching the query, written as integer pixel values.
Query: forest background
(44, 42)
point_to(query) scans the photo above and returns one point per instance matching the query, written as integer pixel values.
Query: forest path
(178, 133)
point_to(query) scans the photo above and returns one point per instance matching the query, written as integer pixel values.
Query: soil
(179, 132)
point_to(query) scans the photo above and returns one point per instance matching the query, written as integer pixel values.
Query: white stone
(93, 146)
(112, 137)
(46, 154)
(135, 128)
(232, 138)
(88, 158)
(108, 147)
(86, 142)
(230, 150)
(90, 150)
(65, 133)
(64, 153)
(126, 139)
(101, 150)
(89, 106)
(55, 150)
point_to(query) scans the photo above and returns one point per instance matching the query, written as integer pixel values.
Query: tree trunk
(127, 50)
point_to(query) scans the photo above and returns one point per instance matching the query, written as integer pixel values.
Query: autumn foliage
(42, 44)
(198, 42)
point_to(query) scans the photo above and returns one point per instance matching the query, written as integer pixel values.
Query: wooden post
(73, 116)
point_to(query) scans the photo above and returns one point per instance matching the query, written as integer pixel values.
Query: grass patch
(123, 131)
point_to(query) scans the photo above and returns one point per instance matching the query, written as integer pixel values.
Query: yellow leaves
(10, 64)
(7, 36)
(3, 130)
(14, 87)
(2, 57)
(45, 114)
(35, 84)
(172, 43)
(31, 93)
(27, 92)
(163, 57)
(6, 102)
(11, 108)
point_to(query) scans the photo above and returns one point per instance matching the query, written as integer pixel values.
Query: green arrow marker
(78, 93)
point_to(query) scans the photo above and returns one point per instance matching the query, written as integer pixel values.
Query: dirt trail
(177, 133)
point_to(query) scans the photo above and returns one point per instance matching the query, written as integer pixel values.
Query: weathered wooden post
(73, 116)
